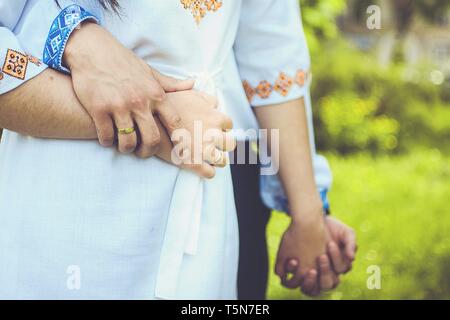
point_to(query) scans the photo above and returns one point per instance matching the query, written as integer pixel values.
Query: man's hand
(194, 106)
(119, 90)
(342, 250)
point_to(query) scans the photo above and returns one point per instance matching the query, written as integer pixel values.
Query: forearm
(295, 159)
(46, 107)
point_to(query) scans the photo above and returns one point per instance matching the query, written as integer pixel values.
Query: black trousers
(253, 217)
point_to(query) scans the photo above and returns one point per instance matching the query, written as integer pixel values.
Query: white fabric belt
(183, 224)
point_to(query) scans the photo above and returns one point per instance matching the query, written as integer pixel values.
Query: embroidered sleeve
(271, 51)
(17, 64)
(24, 29)
(62, 27)
(282, 86)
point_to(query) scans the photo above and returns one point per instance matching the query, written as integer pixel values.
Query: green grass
(399, 209)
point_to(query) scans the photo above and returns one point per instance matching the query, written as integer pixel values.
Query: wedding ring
(126, 130)
(218, 157)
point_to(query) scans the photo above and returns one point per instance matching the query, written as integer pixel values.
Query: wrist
(73, 53)
(308, 210)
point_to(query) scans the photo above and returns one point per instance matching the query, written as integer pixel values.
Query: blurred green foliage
(360, 106)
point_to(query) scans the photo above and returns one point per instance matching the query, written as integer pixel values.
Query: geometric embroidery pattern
(34, 60)
(15, 64)
(249, 91)
(282, 85)
(264, 89)
(62, 27)
(300, 78)
(199, 8)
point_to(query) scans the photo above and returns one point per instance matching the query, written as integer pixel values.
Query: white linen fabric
(131, 228)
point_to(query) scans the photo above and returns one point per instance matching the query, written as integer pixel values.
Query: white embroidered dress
(78, 221)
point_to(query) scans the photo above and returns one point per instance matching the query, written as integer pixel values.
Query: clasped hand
(123, 91)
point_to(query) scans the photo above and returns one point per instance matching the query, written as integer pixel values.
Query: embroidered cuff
(277, 91)
(62, 27)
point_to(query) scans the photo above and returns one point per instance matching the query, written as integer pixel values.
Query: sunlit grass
(399, 209)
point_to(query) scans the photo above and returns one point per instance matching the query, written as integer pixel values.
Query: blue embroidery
(62, 27)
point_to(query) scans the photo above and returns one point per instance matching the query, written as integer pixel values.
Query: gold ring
(218, 157)
(126, 130)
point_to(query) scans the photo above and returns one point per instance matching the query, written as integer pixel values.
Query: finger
(225, 141)
(170, 84)
(326, 275)
(210, 100)
(336, 282)
(315, 292)
(152, 86)
(291, 266)
(169, 118)
(214, 156)
(310, 284)
(350, 244)
(337, 259)
(279, 267)
(226, 123)
(149, 136)
(291, 279)
(203, 170)
(294, 280)
(127, 142)
(105, 130)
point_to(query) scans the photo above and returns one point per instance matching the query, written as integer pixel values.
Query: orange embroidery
(1, 75)
(34, 60)
(300, 78)
(249, 91)
(199, 8)
(16, 64)
(283, 85)
(264, 89)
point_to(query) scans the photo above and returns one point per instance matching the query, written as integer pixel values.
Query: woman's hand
(304, 241)
(204, 142)
(341, 251)
(119, 90)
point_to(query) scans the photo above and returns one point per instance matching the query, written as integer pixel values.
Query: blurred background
(382, 115)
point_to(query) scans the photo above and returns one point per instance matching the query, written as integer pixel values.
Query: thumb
(292, 265)
(170, 84)
(350, 244)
